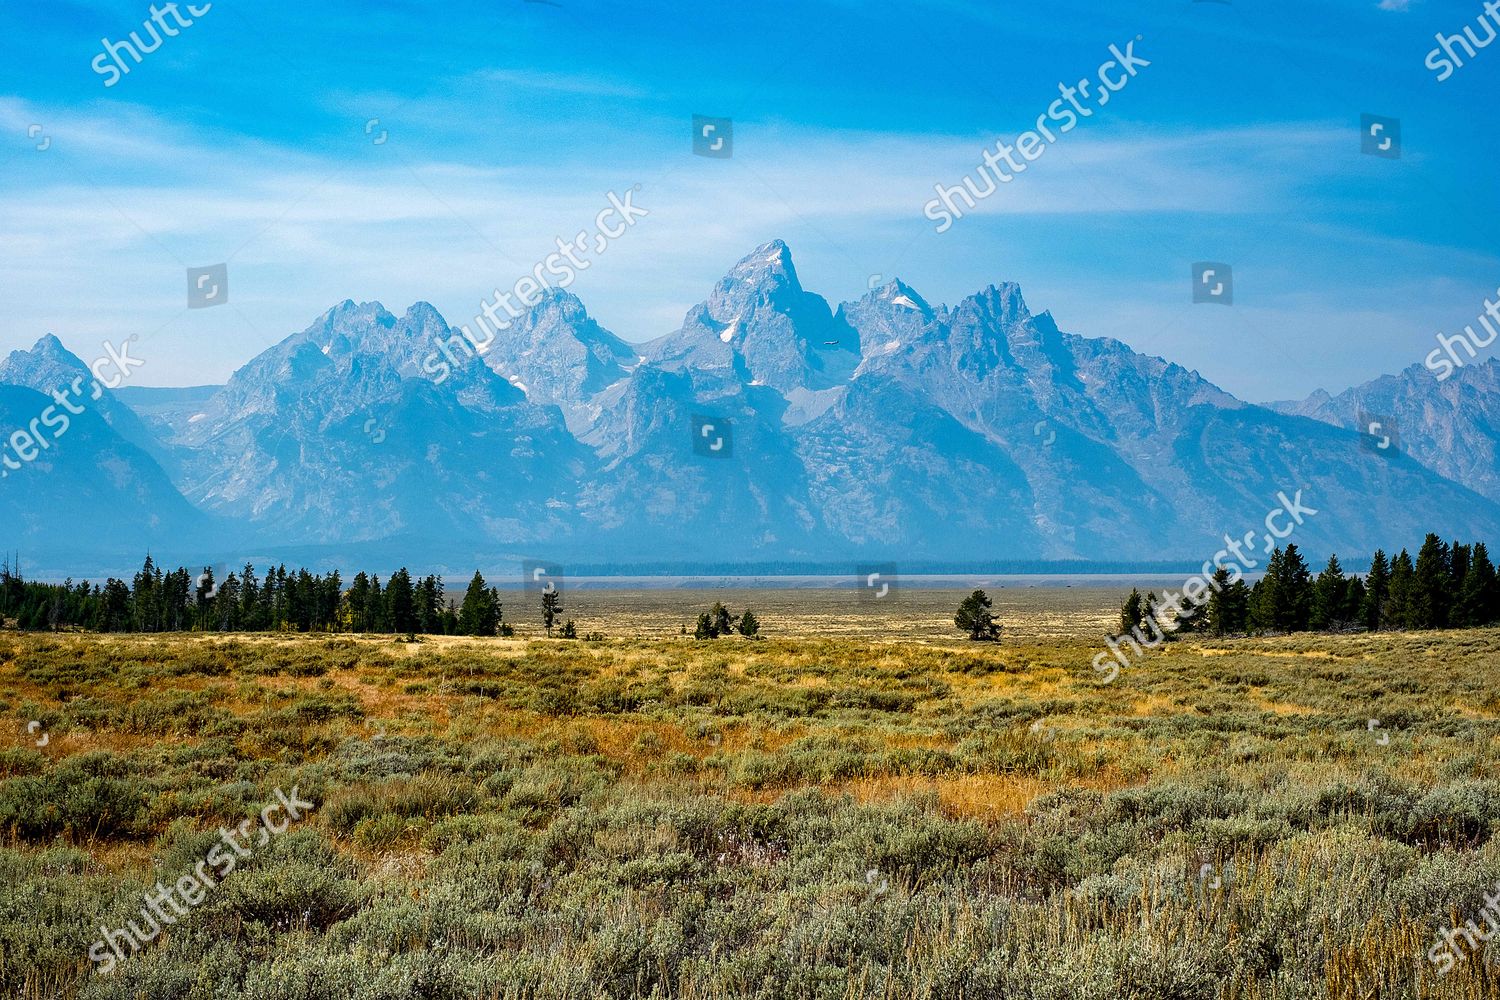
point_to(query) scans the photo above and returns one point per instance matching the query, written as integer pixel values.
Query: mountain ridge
(774, 425)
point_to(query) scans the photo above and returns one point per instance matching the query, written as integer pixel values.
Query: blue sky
(508, 122)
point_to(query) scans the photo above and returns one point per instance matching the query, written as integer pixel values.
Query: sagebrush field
(822, 813)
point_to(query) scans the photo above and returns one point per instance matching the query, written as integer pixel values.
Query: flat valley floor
(859, 804)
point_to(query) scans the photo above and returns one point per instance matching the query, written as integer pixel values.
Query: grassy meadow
(859, 805)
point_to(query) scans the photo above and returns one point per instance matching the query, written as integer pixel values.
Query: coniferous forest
(159, 600)
(1446, 586)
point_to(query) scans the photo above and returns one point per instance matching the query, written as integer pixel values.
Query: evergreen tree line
(157, 600)
(1446, 586)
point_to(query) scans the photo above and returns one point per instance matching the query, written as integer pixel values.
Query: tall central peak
(765, 276)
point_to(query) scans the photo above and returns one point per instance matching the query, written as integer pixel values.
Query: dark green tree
(974, 617)
(1330, 597)
(1397, 611)
(1130, 613)
(551, 607)
(1377, 592)
(480, 612)
(429, 606)
(1477, 605)
(1217, 617)
(749, 625)
(1431, 595)
(1265, 597)
(401, 599)
(1294, 592)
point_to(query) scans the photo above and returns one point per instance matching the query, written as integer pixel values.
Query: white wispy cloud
(100, 234)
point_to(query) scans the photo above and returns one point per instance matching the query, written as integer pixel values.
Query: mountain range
(770, 427)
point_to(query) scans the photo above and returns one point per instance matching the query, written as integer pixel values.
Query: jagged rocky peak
(766, 276)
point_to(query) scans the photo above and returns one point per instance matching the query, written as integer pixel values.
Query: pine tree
(116, 612)
(1218, 597)
(1130, 613)
(551, 605)
(401, 602)
(1477, 596)
(1397, 612)
(376, 608)
(1458, 567)
(357, 601)
(1377, 592)
(1354, 601)
(429, 604)
(974, 617)
(1294, 592)
(1330, 597)
(1265, 597)
(1431, 599)
(479, 613)
(1237, 608)
(749, 625)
